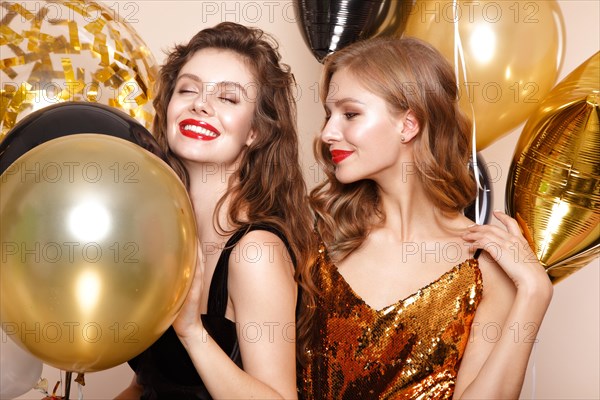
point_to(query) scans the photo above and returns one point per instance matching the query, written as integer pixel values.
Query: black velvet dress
(165, 370)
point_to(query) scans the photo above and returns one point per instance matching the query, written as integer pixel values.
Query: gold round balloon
(553, 187)
(513, 51)
(98, 251)
(76, 50)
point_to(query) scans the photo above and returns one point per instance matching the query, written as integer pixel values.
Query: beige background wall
(565, 364)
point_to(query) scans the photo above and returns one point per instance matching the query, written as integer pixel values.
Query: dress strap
(218, 294)
(477, 254)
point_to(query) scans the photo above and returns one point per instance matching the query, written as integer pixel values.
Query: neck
(409, 213)
(208, 183)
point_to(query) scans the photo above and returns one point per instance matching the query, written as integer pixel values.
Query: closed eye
(228, 100)
(350, 115)
(186, 91)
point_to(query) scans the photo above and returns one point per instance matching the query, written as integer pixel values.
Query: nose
(330, 132)
(201, 104)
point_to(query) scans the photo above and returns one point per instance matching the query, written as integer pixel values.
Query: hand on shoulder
(516, 294)
(509, 249)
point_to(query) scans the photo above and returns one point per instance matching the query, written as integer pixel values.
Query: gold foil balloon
(565, 268)
(72, 50)
(99, 247)
(553, 187)
(513, 51)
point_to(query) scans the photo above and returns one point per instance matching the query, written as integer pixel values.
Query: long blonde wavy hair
(268, 185)
(408, 74)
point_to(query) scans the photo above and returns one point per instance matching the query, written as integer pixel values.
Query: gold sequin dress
(409, 350)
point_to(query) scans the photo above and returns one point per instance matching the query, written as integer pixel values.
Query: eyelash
(226, 99)
(223, 99)
(348, 115)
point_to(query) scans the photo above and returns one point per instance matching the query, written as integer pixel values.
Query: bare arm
(263, 293)
(516, 295)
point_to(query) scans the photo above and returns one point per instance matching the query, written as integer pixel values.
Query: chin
(347, 178)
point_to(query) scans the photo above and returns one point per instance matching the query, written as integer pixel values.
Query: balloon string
(67, 392)
(459, 52)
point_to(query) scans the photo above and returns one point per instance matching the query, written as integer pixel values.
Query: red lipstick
(337, 156)
(198, 130)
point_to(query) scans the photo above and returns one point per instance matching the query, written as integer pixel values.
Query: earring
(402, 139)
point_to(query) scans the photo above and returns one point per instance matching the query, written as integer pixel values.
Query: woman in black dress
(226, 116)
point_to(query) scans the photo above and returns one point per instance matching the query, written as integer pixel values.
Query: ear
(410, 126)
(251, 137)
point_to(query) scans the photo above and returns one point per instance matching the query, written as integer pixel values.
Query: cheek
(366, 134)
(171, 113)
(175, 110)
(240, 121)
(172, 127)
(227, 119)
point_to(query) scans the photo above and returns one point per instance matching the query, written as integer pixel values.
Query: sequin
(409, 350)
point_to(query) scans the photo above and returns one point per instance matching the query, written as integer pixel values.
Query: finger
(491, 239)
(489, 232)
(511, 224)
(495, 233)
(477, 228)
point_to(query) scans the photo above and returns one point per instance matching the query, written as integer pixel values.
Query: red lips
(337, 156)
(199, 130)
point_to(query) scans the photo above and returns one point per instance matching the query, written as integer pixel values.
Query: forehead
(345, 84)
(344, 80)
(217, 65)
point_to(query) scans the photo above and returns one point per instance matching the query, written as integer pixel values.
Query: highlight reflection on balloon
(76, 50)
(98, 250)
(513, 52)
(553, 187)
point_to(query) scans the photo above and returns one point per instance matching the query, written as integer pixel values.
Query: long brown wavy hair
(268, 185)
(408, 74)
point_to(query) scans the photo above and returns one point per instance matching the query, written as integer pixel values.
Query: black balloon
(330, 25)
(72, 118)
(484, 209)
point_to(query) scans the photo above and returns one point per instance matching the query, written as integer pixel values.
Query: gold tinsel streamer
(75, 50)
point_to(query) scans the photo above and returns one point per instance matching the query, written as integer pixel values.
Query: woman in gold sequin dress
(406, 309)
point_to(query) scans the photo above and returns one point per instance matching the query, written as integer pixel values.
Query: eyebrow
(340, 102)
(196, 78)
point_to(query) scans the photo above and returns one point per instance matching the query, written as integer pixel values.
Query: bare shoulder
(497, 286)
(262, 246)
(261, 280)
(260, 255)
(260, 237)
